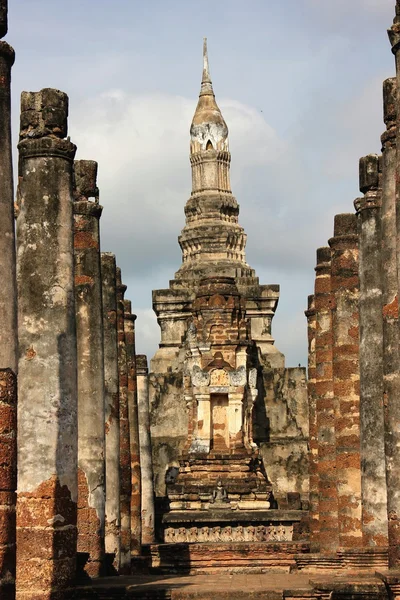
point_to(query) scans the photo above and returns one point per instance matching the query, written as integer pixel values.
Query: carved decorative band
(248, 533)
(367, 203)
(48, 147)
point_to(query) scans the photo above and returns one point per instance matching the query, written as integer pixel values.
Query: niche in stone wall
(219, 422)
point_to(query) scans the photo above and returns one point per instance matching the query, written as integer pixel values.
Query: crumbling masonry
(220, 459)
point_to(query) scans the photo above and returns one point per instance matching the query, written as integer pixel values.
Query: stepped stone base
(234, 557)
(356, 559)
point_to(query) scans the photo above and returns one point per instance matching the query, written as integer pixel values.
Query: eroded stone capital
(47, 146)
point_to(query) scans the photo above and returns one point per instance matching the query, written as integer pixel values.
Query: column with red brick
(111, 389)
(124, 438)
(328, 534)
(8, 328)
(373, 471)
(313, 434)
(391, 357)
(146, 461)
(346, 377)
(136, 528)
(47, 379)
(89, 330)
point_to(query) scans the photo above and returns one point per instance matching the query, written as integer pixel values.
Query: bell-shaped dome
(208, 130)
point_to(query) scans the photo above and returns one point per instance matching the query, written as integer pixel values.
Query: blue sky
(299, 83)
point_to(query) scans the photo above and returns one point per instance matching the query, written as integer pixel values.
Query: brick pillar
(124, 441)
(373, 481)
(136, 526)
(8, 327)
(391, 358)
(47, 380)
(113, 517)
(146, 461)
(313, 433)
(346, 377)
(328, 536)
(89, 331)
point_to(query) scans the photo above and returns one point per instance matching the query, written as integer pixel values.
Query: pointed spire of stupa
(206, 84)
(208, 125)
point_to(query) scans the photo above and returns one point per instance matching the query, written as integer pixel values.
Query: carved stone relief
(219, 378)
(249, 533)
(200, 378)
(238, 377)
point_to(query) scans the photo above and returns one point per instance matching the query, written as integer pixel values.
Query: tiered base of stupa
(223, 517)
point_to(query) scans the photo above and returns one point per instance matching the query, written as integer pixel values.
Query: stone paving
(199, 587)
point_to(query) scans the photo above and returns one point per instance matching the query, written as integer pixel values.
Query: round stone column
(327, 540)
(89, 326)
(136, 525)
(8, 327)
(346, 377)
(390, 290)
(373, 473)
(124, 437)
(47, 380)
(313, 432)
(113, 515)
(147, 510)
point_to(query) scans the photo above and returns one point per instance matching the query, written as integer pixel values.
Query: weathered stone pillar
(146, 463)
(313, 432)
(124, 442)
(328, 536)
(136, 526)
(89, 331)
(113, 517)
(8, 327)
(373, 475)
(47, 380)
(391, 362)
(346, 377)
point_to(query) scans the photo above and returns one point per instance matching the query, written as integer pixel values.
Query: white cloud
(349, 7)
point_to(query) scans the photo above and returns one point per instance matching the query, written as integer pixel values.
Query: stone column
(47, 380)
(89, 331)
(346, 377)
(146, 462)
(136, 525)
(110, 336)
(8, 328)
(373, 475)
(313, 432)
(124, 441)
(391, 362)
(328, 536)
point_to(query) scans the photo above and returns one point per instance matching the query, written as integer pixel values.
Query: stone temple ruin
(217, 459)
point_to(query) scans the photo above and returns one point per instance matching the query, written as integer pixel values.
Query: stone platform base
(271, 586)
(234, 557)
